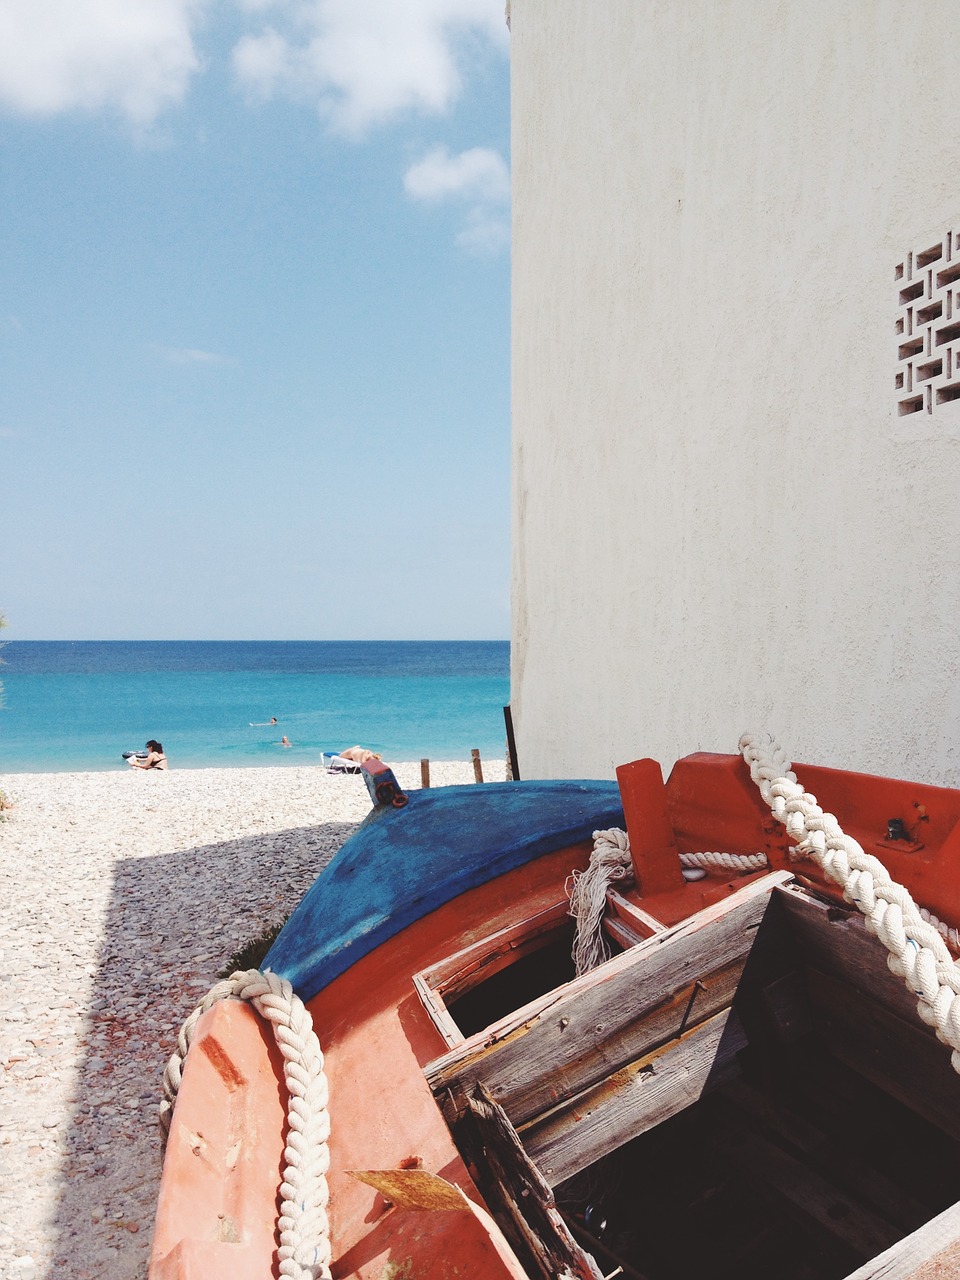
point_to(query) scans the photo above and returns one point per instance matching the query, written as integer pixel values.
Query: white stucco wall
(720, 522)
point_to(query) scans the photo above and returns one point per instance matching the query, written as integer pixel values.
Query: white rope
(610, 862)
(303, 1224)
(741, 862)
(947, 932)
(587, 891)
(917, 952)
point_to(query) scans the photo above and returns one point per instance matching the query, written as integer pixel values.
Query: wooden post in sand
(514, 772)
(477, 766)
(425, 773)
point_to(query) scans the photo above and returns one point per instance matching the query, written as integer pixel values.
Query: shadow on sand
(174, 921)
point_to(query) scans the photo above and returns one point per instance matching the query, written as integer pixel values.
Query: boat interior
(748, 1092)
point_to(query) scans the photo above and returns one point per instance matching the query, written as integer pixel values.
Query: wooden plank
(808, 1194)
(931, 1252)
(643, 922)
(437, 1010)
(782, 1123)
(514, 1188)
(621, 933)
(472, 965)
(627, 923)
(785, 1008)
(569, 1040)
(457, 973)
(598, 1249)
(836, 942)
(903, 1058)
(823, 1151)
(635, 1098)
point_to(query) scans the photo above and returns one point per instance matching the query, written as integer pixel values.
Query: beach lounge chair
(334, 763)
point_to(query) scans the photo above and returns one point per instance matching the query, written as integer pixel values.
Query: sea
(78, 705)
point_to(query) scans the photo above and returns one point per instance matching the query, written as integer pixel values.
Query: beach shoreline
(127, 892)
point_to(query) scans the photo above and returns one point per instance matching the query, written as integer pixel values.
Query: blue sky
(254, 319)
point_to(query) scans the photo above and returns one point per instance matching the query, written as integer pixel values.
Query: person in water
(154, 759)
(285, 741)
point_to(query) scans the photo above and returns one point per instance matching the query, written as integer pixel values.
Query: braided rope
(917, 952)
(742, 862)
(947, 932)
(303, 1224)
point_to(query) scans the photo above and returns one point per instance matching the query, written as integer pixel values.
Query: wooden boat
(743, 1088)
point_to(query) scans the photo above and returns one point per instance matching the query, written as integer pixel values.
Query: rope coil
(303, 1224)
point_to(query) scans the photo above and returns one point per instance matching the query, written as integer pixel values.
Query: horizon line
(230, 640)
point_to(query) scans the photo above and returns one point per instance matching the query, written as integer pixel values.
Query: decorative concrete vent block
(928, 328)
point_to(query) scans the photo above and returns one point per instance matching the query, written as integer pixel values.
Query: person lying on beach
(154, 759)
(359, 755)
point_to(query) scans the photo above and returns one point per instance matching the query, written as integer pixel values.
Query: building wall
(721, 519)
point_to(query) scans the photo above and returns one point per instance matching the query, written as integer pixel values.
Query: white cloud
(363, 63)
(189, 355)
(479, 173)
(359, 62)
(263, 62)
(132, 56)
(478, 178)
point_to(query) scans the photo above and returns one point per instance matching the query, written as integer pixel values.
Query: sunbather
(359, 755)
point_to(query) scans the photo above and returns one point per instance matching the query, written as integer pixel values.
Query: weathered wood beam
(903, 1058)
(463, 970)
(836, 942)
(575, 1037)
(621, 933)
(932, 1251)
(518, 1194)
(641, 922)
(809, 1195)
(777, 1119)
(599, 1249)
(458, 973)
(634, 1099)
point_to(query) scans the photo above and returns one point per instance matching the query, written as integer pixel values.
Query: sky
(254, 319)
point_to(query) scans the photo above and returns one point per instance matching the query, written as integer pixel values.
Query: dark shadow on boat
(173, 923)
(771, 1170)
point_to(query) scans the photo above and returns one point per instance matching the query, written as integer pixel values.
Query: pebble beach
(124, 895)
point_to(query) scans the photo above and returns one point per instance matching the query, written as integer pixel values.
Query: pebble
(125, 894)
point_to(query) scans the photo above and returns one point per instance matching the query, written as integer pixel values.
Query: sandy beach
(124, 895)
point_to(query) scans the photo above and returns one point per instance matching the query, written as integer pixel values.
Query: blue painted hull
(401, 864)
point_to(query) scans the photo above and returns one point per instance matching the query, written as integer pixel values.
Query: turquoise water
(76, 705)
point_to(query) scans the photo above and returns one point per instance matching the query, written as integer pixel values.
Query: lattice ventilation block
(928, 327)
